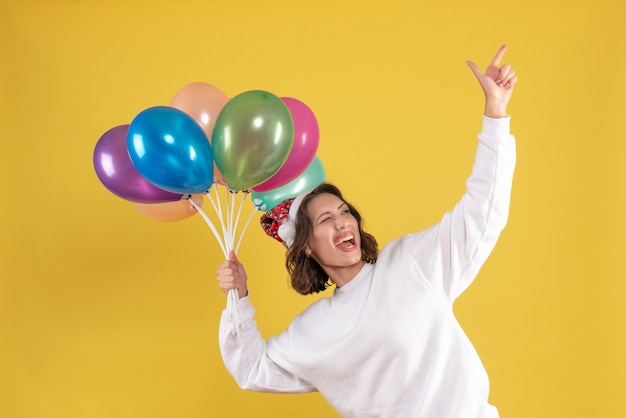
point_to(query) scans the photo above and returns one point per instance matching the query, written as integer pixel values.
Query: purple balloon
(306, 136)
(118, 174)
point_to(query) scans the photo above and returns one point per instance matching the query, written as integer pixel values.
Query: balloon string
(208, 221)
(232, 300)
(227, 216)
(246, 227)
(231, 228)
(232, 306)
(218, 210)
(224, 219)
(228, 231)
(227, 219)
(233, 294)
(241, 202)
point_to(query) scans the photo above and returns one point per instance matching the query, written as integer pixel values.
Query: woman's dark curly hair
(307, 276)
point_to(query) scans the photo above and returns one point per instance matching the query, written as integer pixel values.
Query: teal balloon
(313, 176)
(170, 150)
(252, 138)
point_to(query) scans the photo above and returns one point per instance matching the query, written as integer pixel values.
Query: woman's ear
(307, 251)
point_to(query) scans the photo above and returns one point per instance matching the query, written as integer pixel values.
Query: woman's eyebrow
(328, 212)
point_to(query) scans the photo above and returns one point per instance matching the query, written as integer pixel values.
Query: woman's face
(335, 242)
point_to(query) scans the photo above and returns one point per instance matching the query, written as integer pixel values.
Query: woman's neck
(341, 276)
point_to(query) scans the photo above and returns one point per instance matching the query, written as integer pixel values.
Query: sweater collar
(356, 280)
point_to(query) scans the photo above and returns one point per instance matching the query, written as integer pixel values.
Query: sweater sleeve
(245, 356)
(450, 253)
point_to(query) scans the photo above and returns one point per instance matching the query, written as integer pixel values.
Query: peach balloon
(202, 101)
(170, 211)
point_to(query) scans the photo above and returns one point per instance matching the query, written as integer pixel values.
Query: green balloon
(313, 176)
(252, 138)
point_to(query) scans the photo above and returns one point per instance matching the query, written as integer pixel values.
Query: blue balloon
(171, 150)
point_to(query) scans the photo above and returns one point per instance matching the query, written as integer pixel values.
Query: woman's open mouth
(345, 240)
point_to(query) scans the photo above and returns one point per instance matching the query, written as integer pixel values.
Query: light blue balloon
(171, 150)
(313, 176)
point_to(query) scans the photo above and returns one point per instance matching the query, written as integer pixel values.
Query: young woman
(386, 343)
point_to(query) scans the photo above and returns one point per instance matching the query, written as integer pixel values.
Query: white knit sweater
(387, 344)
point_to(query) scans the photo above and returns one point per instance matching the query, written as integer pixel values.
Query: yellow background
(107, 313)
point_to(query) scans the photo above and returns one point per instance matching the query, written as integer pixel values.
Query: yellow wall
(106, 313)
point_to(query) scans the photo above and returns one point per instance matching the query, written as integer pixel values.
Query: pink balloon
(305, 142)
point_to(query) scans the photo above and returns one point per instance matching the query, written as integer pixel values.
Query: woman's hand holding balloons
(232, 275)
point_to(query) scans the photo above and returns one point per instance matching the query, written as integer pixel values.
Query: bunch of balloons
(170, 158)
